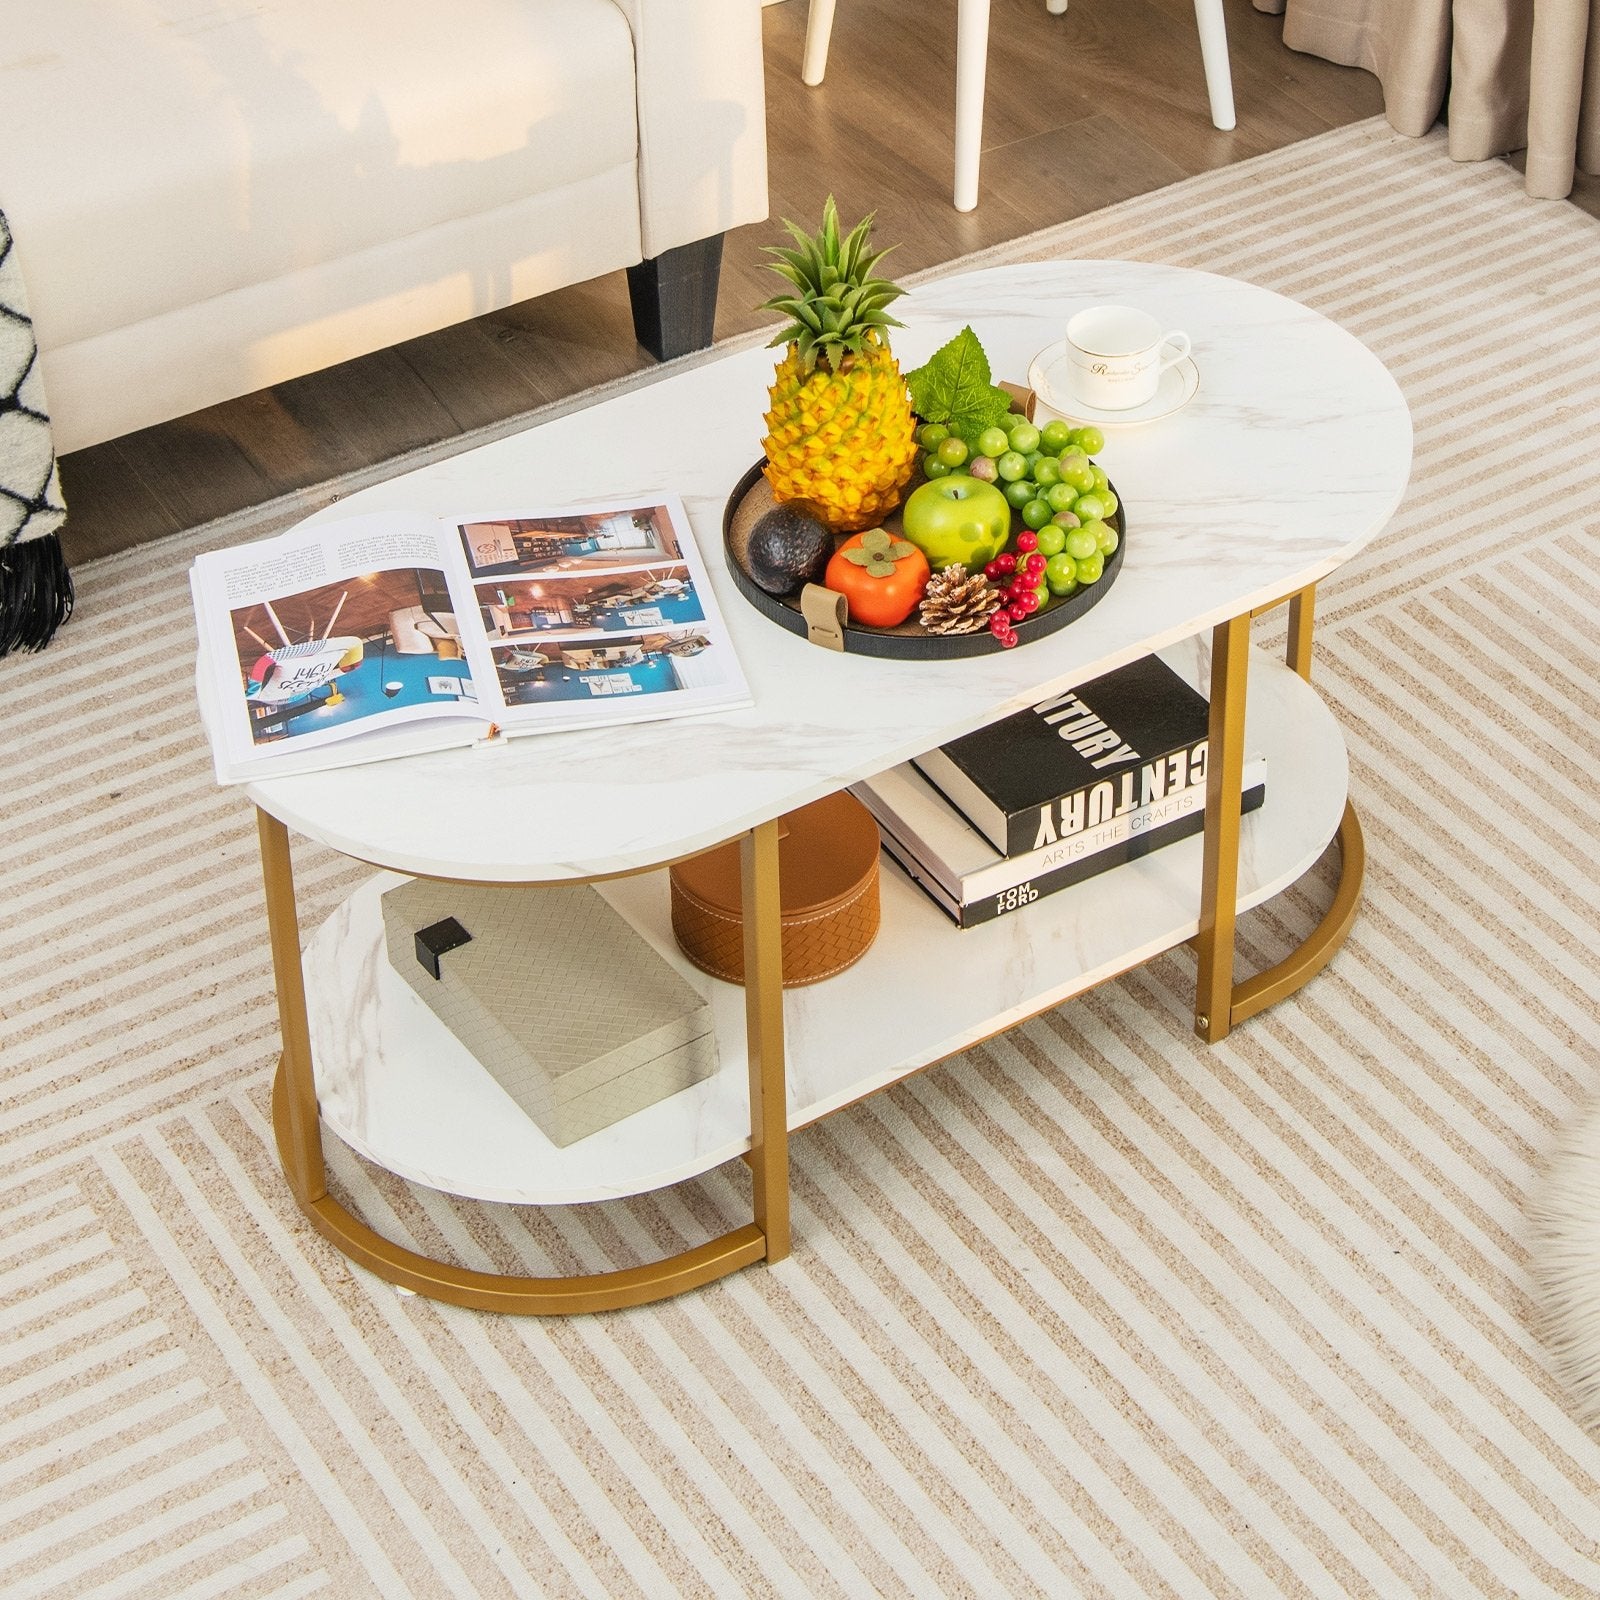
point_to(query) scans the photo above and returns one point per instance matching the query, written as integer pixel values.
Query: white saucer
(1177, 387)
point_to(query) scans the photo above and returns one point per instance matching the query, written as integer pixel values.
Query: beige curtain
(1505, 74)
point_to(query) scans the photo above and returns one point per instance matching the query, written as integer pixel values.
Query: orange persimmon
(881, 577)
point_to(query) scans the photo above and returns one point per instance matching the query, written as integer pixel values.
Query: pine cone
(957, 601)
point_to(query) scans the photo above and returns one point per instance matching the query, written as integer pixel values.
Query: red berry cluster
(1020, 596)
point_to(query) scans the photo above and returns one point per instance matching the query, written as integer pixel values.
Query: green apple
(957, 518)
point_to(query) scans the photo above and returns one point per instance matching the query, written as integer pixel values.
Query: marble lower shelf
(397, 1086)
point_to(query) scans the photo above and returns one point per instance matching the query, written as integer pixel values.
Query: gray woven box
(569, 1009)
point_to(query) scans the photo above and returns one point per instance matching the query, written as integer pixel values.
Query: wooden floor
(1083, 110)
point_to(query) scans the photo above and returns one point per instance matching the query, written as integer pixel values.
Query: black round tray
(910, 641)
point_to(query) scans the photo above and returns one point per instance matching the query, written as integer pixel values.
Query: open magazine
(387, 634)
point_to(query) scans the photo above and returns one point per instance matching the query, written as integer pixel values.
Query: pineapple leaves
(837, 304)
(955, 387)
(829, 237)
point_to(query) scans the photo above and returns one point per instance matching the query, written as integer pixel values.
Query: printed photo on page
(598, 613)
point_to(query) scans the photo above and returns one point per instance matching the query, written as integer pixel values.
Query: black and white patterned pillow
(35, 586)
(30, 487)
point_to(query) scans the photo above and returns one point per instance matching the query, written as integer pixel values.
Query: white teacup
(1116, 355)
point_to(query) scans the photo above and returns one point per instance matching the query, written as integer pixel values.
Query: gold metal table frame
(1220, 1003)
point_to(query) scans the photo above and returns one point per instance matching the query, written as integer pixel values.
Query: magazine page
(332, 644)
(592, 614)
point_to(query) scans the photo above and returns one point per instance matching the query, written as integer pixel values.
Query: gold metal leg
(1220, 1003)
(298, 1130)
(301, 1141)
(1219, 878)
(1312, 955)
(763, 1010)
(1302, 610)
(1302, 606)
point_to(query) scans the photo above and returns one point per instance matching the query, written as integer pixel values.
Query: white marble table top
(1292, 456)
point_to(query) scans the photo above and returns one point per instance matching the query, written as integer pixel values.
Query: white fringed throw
(35, 587)
(1564, 1255)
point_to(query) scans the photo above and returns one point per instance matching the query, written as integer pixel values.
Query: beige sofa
(211, 196)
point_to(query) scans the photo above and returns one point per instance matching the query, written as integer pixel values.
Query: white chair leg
(972, 63)
(1214, 53)
(1056, 8)
(819, 29)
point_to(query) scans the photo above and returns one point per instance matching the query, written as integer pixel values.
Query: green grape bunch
(1062, 498)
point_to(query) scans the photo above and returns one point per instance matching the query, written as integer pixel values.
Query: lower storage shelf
(397, 1086)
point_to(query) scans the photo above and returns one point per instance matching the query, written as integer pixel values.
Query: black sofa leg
(674, 298)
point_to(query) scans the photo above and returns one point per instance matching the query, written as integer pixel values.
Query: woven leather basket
(828, 883)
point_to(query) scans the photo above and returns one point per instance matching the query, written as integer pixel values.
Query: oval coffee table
(1290, 458)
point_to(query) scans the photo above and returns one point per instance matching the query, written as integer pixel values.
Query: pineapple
(840, 433)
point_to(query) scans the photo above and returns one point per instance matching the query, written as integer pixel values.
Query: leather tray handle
(824, 611)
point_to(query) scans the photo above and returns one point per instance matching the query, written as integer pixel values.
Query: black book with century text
(1115, 745)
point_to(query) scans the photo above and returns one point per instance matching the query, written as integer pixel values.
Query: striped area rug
(1092, 1310)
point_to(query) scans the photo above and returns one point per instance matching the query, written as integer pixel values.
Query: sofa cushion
(273, 135)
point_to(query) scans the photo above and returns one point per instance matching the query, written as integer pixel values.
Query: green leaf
(877, 553)
(954, 387)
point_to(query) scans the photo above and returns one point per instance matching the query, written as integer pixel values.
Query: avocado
(788, 546)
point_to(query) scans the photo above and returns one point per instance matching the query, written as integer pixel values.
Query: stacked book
(1091, 778)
